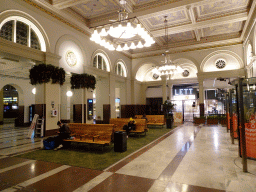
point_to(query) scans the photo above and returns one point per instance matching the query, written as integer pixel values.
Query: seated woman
(131, 126)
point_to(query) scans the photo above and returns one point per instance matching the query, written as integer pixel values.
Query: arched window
(100, 62)
(22, 31)
(120, 69)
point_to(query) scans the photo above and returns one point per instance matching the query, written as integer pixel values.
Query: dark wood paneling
(19, 121)
(154, 106)
(106, 113)
(85, 113)
(201, 105)
(128, 111)
(141, 109)
(77, 113)
(40, 109)
(51, 132)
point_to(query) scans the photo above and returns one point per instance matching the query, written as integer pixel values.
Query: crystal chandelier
(168, 68)
(124, 34)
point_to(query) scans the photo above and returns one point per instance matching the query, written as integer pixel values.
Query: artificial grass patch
(91, 156)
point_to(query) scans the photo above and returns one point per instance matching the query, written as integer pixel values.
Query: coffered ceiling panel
(173, 18)
(181, 36)
(223, 29)
(96, 8)
(221, 7)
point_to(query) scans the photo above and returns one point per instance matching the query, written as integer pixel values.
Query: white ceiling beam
(62, 4)
(250, 16)
(202, 24)
(191, 13)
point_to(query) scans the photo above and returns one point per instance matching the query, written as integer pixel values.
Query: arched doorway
(10, 103)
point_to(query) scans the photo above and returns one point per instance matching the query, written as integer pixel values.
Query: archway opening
(10, 104)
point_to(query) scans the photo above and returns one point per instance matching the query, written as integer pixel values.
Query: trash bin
(120, 141)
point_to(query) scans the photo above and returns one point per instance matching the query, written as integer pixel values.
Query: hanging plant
(84, 80)
(43, 73)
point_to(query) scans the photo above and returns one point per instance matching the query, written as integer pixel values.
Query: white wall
(154, 92)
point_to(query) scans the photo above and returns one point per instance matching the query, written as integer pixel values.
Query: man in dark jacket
(64, 133)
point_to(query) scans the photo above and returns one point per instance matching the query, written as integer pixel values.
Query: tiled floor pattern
(187, 159)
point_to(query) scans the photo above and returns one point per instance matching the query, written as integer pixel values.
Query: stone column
(164, 89)
(143, 94)
(112, 85)
(170, 90)
(1, 106)
(201, 97)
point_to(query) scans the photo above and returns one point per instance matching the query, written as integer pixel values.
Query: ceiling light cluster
(124, 34)
(121, 36)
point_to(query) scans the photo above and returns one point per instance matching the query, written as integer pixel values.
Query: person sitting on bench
(64, 133)
(131, 126)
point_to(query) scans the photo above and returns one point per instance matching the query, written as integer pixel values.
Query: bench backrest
(153, 118)
(83, 128)
(141, 124)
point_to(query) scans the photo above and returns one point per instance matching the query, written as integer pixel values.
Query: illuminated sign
(10, 99)
(183, 91)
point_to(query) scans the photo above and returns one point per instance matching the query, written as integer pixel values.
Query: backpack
(49, 143)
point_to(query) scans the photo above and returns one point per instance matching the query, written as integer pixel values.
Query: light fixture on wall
(34, 90)
(69, 93)
(124, 34)
(168, 68)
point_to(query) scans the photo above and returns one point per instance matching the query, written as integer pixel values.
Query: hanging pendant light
(168, 68)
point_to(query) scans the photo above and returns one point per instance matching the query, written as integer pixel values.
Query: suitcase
(49, 143)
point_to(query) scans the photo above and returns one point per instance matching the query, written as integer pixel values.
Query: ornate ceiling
(192, 24)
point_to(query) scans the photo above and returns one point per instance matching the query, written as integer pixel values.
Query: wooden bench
(100, 134)
(141, 125)
(157, 120)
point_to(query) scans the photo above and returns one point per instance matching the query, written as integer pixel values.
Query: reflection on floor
(189, 158)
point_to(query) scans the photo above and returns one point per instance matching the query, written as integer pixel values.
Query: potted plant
(223, 120)
(43, 73)
(212, 119)
(168, 106)
(199, 120)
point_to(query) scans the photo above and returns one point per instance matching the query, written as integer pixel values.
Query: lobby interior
(212, 41)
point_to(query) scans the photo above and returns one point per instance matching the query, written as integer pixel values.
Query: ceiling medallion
(220, 63)
(185, 73)
(71, 58)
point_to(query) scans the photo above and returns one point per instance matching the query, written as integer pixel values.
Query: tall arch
(123, 65)
(228, 58)
(29, 20)
(105, 56)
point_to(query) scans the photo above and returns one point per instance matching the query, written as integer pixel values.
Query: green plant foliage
(168, 106)
(43, 73)
(82, 81)
(201, 117)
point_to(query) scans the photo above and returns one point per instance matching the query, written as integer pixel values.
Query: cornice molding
(55, 13)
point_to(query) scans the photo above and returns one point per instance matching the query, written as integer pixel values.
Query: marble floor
(188, 158)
